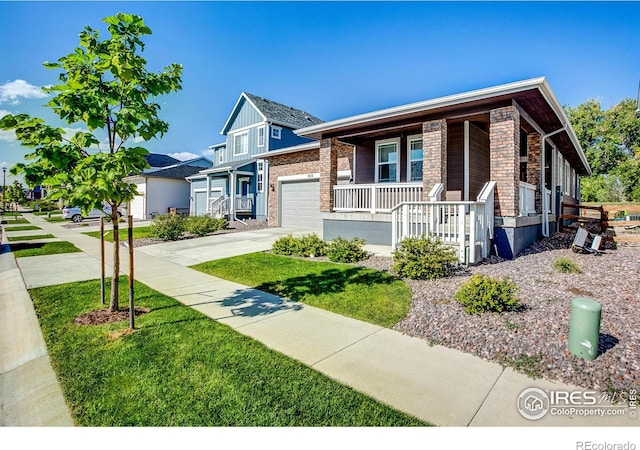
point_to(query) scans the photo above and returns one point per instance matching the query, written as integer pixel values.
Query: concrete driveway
(194, 251)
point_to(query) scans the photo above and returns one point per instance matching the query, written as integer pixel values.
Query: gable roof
(534, 95)
(176, 172)
(273, 112)
(159, 160)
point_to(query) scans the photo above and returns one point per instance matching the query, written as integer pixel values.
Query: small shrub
(307, 245)
(566, 265)
(285, 245)
(619, 215)
(345, 251)
(168, 227)
(423, 258)
(486, 294)
(204, 225)
(311, 245)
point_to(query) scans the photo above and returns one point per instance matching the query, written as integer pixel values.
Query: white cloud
(183, 156)
(12, 91)
(7, 136)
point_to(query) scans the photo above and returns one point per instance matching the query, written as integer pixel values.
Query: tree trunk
(113, 302)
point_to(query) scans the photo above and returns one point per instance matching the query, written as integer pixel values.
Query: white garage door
(137, 207)
(200, 203)
(300, 205)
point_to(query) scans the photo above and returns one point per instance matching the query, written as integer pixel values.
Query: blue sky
(332, 59)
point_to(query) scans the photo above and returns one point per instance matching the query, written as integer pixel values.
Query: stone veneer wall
(534, 165)
(504, 144)
(302, 163)
(434, 166)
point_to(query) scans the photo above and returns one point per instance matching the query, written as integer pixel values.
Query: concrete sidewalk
(435, 383)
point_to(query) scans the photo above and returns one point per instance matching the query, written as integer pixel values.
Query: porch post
(434, 159)
(328, 173)
(504, 151)
(534, 166)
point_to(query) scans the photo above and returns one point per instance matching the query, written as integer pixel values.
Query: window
(241, 144)
(220, 155)
(276, 132)
(415, 154)
(387, 161)
(261, 132)
(567, 178)
(260, 178)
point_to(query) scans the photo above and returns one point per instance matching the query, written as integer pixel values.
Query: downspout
(545, 207)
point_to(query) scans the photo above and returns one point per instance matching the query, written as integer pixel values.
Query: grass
(123, 233)
(30, 238)
(23, 228)
(180, 368)
(13, 221)
(352, 291)
(46, 213)
(56, 218)
(48, 248)
(566, 265)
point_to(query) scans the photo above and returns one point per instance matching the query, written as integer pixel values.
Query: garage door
(200, 203)
(137, 207)
(300, 205)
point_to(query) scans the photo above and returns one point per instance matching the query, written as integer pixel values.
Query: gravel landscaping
(534, 339)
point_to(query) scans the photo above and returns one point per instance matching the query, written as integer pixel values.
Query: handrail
(450, 221)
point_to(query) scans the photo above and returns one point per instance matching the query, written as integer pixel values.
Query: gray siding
(287, 139)
(246, 115)
(199, 184)
(378, 233)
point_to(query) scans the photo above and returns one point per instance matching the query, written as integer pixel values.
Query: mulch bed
(102, 316)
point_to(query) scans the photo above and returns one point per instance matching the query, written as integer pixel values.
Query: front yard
(180, 368)
(356, 292)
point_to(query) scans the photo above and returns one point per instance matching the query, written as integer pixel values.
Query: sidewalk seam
(346, 347)
(486, 397)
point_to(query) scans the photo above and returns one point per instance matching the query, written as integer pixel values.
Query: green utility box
(584, 328)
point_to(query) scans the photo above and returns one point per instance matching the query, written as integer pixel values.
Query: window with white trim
(387, 161)
(276, 132)
(567, 178)
(261, 135)
(241, 144)
(260, 176)
(414, 158)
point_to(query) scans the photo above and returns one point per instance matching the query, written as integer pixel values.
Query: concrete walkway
(435, 383)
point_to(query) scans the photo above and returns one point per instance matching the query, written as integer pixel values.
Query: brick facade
(303, 163)
(434, 165)
(504, 139)
(534, 165)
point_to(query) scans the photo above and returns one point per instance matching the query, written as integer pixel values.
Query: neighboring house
(480, 170)
(235, 185)
(163, 187)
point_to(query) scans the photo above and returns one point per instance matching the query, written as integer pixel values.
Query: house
(163, 185)
(235, 185)
(484, 171)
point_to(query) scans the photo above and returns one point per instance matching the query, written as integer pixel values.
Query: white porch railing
(461, 224)
(374, 198)
(221, 206)
(527, 198)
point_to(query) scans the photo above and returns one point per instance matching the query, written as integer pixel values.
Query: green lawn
(180, 368)
(352, 291)
(23, 228)
(30, 238)
(123, 233)
(56, 218)
(24, 249)
(11, 221)
(46, 213)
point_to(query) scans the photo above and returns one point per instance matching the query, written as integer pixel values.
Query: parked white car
(74, 213)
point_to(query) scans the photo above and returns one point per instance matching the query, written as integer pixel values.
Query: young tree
(15, 195)
(105, 85)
